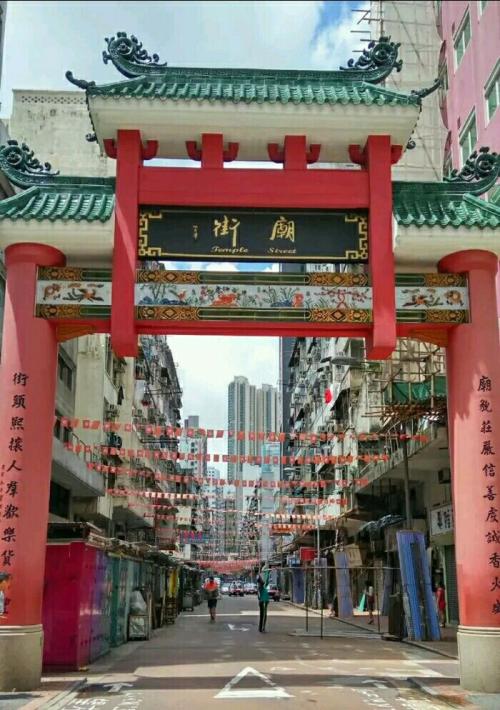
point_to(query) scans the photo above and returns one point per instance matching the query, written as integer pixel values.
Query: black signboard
(253, 235)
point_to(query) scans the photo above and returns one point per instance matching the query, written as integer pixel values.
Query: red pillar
(379, 156)
(473, 371)
(27, 393)
(129, 160)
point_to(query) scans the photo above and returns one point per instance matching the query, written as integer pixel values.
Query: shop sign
(184, 515)
(253, 235)
(442, 520)
(353, 555)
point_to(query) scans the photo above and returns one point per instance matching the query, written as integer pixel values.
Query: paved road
(196, 665)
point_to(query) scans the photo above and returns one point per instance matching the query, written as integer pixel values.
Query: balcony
(424, 457)
(70, 470)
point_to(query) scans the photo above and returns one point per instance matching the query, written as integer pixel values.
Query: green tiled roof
(147, 78)
(433, 204)
(48, 195)
(80, 202)
(415, 204)
(251, 86)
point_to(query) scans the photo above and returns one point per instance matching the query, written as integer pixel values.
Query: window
(447, 165)
(468, 138)
(60, 498)
(443, 76)
(65, 372)
(492, 92)
(462, 39)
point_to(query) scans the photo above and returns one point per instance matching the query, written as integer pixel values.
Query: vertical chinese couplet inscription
(10, 487)
(489, 493)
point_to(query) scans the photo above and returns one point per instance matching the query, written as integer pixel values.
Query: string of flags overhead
(238, 483)
(214, 433)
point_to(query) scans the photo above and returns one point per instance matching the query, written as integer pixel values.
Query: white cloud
(222, 266)
(334, 43)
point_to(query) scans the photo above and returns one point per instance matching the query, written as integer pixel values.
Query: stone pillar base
(21, 650)
(479, 651)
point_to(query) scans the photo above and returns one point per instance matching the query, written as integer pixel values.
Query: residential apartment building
(241, 416)
(193, 448)
(469, 66)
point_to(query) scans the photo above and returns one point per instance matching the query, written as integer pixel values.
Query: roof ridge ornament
(479, 173)
(376, 62)
(129, 56)
(422, 93)
(21, 167)
(81, 83)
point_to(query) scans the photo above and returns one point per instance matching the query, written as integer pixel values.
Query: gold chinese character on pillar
(283, 228)
(227, 227)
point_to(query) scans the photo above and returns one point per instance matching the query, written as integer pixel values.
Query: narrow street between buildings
(197, 664)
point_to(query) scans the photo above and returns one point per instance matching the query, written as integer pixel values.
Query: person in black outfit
(263, 596)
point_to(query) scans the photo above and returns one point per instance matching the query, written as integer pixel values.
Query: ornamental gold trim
(66, 311)
(167, 313)
(362, 252)
(445, 280)
(143, 248)
(60, 273)
(172, 277)
(340, 315)
(334, 279)
(434, 316)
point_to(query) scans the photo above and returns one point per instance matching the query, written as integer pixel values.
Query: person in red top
(441, 603)
(211, 589)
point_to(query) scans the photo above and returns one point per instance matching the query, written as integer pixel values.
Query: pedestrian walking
(211, 589)
(441, 603)
(370, 601)
(263, 597)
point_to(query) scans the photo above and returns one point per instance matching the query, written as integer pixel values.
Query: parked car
(274, 593)
(224, 589)
(250, 588)
(236, 590)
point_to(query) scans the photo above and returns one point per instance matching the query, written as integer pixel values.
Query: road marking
(116, 687)
(233, 627)
(270, 690)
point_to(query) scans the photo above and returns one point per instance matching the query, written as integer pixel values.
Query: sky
(44, 39)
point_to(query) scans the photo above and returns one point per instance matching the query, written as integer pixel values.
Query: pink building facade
(470, 69)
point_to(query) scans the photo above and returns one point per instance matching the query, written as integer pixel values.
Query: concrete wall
(54, 124)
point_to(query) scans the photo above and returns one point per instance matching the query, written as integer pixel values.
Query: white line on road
(269, 691)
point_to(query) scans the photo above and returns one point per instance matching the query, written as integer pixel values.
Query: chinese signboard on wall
(253, 235)
(442, 520)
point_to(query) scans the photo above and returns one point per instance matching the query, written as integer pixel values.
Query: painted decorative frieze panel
(321, 297)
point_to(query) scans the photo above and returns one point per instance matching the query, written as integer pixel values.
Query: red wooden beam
(294, 154)
(337, 330)
(248, 187)
(129, 156)
(212, 153)
(378, 157)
